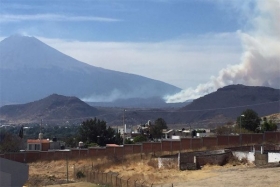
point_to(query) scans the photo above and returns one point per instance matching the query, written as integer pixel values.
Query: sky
(196, 45)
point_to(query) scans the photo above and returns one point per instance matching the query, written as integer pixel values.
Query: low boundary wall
(195, 160)
(156, 148)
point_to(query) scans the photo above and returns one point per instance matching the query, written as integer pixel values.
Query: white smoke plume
(260, 63)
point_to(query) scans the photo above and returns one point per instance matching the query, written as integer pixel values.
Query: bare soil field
(76, 184)
(233, 174)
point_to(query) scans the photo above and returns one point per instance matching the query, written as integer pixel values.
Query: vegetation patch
(80, 175)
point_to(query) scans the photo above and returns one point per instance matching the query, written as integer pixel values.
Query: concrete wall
(194, 160)
(13, 173)
(171, 162)
(250, 156)
(213, 158)
(273, 157)
(257, 157)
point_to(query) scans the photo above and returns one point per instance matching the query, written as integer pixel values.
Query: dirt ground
(232, 174)
(76, 184)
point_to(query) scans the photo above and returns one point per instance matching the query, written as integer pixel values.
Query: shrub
(80, 174)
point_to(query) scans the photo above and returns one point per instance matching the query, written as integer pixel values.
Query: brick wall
(209, 142)
(273, 137)
(172, 146)
(186, 143)
(222, 140)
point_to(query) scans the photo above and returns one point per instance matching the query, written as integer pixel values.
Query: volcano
(31, 70)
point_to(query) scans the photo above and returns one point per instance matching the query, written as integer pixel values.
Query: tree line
(94, 132)
(248, 122)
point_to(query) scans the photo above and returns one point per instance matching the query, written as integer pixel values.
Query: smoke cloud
(260, 63)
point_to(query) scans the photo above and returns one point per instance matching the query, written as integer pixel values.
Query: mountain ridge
(31, 70)
(239, 95)
(227, 103)
(212, 114)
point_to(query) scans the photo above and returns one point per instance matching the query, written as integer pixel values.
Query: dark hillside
(229, 102)
(54, 107)
(235, 95)
(214, 109)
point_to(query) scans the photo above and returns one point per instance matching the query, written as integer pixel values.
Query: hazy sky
(181, 42)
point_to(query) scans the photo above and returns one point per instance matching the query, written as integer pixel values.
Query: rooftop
(38, 141)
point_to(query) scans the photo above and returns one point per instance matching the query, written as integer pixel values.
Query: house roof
(112, 145)
(38, 141)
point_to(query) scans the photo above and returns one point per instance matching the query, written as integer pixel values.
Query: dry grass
(79, 184)
(145, 168)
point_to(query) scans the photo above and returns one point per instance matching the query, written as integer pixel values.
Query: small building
(38, 145)
(54, 144)
(41, 144)
(13, 173)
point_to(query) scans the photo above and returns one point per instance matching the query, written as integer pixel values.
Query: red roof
(38, 141)
(112, 145)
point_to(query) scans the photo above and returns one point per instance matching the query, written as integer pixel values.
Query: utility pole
(41, 126)
(240, 123)
(123, 127)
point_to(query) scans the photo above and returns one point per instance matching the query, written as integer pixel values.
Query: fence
(111, 179)
(156, 148)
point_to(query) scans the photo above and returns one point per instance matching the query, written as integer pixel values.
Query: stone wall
(214, 158)
(168, 162)
(261, 159)
(193, 160)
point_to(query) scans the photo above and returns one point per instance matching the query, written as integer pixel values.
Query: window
(37, 147)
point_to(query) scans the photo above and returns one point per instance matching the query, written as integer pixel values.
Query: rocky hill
(214, 109)
(53, 109)
(227, 103)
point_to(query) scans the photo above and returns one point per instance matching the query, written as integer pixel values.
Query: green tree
(128, 141)
(140, 138)
(91, 130)
(268, 125)
(156, 129)
(9, 142)
(96, 131)
(118, 138)
(249, 120)
(70, 142)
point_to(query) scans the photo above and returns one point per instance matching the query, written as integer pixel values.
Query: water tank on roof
(81, 144)
(54, 139)
(40, 136)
